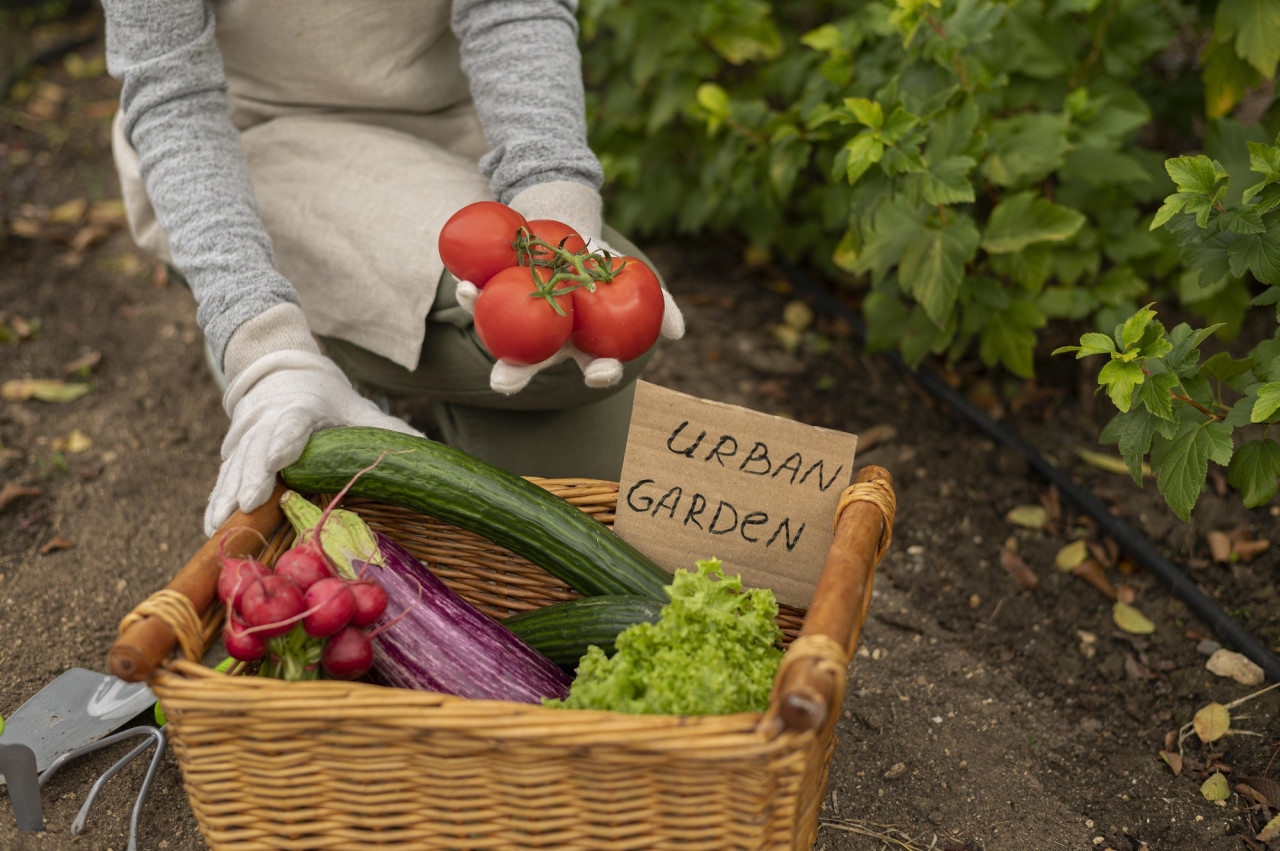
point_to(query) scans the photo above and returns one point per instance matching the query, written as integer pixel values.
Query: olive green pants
(555, 427)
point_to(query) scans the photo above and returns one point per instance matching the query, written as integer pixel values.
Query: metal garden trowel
(80, 706)
(70, 716)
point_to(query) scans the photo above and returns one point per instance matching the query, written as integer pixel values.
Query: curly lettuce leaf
(715, 649)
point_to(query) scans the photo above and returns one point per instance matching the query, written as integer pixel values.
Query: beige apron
(361, 140)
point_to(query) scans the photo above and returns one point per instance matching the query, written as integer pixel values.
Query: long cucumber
(563, 631)
(442, 482)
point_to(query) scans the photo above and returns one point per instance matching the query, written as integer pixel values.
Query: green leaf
(1009, 338)
(1120, 378)
(866, 111)
(826, 38)
(1267, 404)
(1210, 257)
(1257, 254)
(1185, 353)
(1197, 175)
(713, 99)
(1026, 148)
(898, 125)
(1183, 466)
(1243, 221)
(1104, 167)
(1025, 218)
(1226, 77)
(864, 151)
(1154, 395)
(1172, 205)
(1264, 159)
(1133, 433)
(1135, 327)
(786, 159)
(1096, 343)
(947, 181)
(893, 224)
(1254, 25)
(933, 265)
(952, 132)
(1254, 471)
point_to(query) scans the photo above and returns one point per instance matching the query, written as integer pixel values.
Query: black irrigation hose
(1126, 537)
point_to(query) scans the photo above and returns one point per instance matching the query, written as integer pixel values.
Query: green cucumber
(450, 485)
(563, 631)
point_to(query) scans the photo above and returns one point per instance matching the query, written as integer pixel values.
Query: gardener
(294, 161)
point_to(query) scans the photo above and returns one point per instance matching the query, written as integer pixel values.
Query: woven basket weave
(269, 764)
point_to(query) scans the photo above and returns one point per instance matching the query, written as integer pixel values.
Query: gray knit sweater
(524, 68)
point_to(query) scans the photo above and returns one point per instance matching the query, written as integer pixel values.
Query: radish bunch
(301, 618)
(300, 615)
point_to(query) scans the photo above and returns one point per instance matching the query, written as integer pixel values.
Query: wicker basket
(327, 764)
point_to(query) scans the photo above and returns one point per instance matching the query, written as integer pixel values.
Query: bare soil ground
(988, 708)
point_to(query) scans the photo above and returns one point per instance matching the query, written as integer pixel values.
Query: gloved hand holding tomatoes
(541, 293)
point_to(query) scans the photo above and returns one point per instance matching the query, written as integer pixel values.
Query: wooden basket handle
(811, 679)
(174, 615)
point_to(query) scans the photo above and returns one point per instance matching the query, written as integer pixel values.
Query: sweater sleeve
(522, 60)
(176, 115)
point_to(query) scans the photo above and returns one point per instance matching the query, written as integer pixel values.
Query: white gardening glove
(275, 403)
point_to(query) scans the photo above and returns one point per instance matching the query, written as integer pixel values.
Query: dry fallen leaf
(76, 441)
(44, 390)
(87, 236)
(1247, 551)
(876, 435)
(1018, 569)
(1090, 571)
(69, 213)
(1219, 546)
(1216, 787)
(1266, 787)
(11, 493)
(1131, 620)
(83, 364)
(1228, 663)
(1028, 516)
(108, 213)
(1072, 554)
(1211, 722)
(1271, 831)
(1174, 761)
(54, 545)
(1110, 463)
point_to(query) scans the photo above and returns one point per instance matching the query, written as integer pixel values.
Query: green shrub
(974, 169)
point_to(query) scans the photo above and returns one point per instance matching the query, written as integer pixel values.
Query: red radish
(347, 655)
(304, 564)
(272, 605)
(329, 606)
(371, 602)
(236, 577)
(242, 645)
(237, 572)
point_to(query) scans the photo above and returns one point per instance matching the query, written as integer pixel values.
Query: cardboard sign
(704, 479)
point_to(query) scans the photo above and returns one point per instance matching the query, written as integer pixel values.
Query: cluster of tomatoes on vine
(542, 287)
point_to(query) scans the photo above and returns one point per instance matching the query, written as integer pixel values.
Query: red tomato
(553, 232)
(517, 325)
(476, 242)
(623, 317)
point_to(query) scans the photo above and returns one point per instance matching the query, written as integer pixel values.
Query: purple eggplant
(444, 644)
